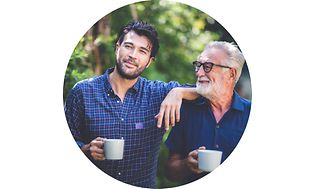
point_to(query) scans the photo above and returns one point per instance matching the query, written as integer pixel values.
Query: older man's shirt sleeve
(74, 114)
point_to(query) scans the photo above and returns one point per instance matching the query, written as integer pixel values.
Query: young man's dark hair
(141, 28)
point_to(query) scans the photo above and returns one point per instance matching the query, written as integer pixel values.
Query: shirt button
(108, 94)
(218, 126)
(117, 101)
(216, 146)
(122, 119)
(119, 173)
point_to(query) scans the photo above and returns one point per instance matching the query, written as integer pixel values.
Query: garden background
(183, 32)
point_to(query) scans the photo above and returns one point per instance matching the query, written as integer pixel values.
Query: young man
(121, 104)
(214, 121)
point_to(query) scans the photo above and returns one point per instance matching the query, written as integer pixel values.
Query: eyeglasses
(207, 66)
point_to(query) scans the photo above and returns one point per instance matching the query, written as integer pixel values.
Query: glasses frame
(207, 66)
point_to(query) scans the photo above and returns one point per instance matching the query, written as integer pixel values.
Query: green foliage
(183, 33)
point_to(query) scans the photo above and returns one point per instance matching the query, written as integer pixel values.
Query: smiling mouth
(203, 82)
(130, 64)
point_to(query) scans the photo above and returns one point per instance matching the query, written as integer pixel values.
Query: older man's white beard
(204, 89)
(209, 90)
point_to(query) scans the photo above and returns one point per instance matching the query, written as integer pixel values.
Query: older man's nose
(200, 72)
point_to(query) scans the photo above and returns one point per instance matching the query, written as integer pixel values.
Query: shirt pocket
(145, 132)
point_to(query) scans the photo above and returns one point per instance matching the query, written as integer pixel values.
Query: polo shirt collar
(236, 101)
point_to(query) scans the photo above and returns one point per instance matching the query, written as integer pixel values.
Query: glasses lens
(207, 66)
(197, 65)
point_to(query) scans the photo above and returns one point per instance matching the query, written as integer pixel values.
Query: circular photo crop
(157, 94)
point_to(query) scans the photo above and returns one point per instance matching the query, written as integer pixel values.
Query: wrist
(86, 149)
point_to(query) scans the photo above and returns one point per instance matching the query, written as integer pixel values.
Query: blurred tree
(183, 33)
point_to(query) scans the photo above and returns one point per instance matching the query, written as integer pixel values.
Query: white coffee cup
(208, 160)
(114, 149)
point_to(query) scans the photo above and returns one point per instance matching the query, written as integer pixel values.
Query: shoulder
(192, 107)
(89, 83)
(247, 103)
(241, 103)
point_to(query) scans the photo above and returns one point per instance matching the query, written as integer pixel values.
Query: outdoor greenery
(183, 31)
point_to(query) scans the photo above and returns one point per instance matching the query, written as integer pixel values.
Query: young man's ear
(150, 61)
(116, 47)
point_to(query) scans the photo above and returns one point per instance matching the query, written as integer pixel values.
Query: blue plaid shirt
(93, 110)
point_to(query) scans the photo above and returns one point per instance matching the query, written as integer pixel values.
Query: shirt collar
(108, 87)
(236, 101)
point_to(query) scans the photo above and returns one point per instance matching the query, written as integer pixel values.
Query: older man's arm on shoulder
(170, 107)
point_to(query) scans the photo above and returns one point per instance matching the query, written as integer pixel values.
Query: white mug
(208, 160)
(114, 149)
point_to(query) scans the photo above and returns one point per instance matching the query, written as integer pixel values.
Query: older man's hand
(192, 160)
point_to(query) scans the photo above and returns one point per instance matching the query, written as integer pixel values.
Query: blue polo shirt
(198, 127)
(94, 110)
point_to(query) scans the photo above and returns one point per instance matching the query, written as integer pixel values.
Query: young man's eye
(143, 52)
(127, 46)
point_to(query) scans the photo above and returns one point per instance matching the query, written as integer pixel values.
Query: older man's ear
(233, 73)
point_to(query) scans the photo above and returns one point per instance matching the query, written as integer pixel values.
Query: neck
(221, 104)
(120, 85)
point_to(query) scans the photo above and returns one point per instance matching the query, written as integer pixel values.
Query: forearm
(187, 93)
(177, 170)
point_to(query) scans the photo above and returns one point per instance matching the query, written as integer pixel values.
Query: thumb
(202, 148)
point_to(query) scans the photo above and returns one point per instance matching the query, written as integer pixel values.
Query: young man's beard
(124, 74)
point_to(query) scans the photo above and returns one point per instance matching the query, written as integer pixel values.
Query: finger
(202, 148)
(196, 170)
(194, 154)
(97, 156)
(99, 142)
(160, 116)
(192, 163)
(97, 150)
(177, 112)
(172, 114)
(166, 118)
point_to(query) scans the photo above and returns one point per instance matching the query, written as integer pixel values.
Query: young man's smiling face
(133, 55)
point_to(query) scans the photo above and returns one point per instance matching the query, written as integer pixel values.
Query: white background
(37, 39)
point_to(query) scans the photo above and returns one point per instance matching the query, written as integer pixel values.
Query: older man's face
(216, 82)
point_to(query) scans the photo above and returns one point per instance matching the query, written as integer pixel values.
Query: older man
(214, 121)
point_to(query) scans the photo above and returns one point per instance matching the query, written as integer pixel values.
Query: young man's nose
(134, 54)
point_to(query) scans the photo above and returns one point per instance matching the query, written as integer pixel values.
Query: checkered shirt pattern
(93, 110)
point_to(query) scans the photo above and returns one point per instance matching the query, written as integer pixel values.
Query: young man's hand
(170, 107)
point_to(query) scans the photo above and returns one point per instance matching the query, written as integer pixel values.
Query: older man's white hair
(235, 57)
